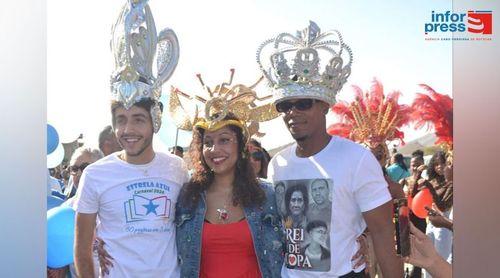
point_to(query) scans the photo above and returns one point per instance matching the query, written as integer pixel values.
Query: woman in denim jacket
(227, 220)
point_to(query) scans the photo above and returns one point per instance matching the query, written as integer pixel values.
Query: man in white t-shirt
(134, 191)
(359, 194)
(134, 194)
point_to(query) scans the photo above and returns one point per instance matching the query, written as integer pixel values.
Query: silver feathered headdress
(134, 45)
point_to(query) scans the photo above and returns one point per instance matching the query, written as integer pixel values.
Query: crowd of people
(321, 207)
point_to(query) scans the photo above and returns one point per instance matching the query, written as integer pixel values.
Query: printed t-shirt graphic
(306, 217)
(135, 205)
(355, 185)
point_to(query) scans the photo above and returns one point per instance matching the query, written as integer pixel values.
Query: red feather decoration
(434, 109)
(373, 117)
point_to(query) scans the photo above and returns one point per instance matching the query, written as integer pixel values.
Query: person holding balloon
(412, 188)
(436, 110)
(60, 237)
(440, 184)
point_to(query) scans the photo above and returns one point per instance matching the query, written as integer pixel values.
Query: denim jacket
(265, 227)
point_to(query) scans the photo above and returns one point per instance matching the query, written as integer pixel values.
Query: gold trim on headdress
(372, 118)
(238, 100)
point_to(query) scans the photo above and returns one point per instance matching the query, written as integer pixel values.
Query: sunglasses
(258, 155)
(300, 105)
(74, 169)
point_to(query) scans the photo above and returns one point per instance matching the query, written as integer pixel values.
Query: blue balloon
(53, 201)
(52, 139)
(60, 236)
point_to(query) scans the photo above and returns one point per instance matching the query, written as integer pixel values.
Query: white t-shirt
(135, 205)
(355, 185)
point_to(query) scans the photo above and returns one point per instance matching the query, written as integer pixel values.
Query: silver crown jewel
(134, 45)
(303, 79)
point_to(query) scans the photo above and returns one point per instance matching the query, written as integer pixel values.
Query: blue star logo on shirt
(150, 207)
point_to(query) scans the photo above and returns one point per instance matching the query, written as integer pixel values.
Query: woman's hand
(437, 218)
(361, 256)
(423, 254)
(105, 260)
(418, 172)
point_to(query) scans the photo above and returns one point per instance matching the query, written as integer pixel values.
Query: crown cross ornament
(134, 45)
(303, 78)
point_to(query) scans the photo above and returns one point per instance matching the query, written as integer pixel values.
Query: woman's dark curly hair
(246, 191)
(437, 158)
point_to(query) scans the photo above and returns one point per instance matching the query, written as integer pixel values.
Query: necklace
(223, 214)
(144, 168)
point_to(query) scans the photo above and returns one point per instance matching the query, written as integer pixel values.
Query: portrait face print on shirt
(296, 203)
(319, 191)
(306, 217)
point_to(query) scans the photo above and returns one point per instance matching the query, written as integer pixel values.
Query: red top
(227, 251)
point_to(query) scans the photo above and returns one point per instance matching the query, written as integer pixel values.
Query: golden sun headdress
(239, 100)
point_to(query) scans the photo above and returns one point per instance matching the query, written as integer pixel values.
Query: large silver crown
(134, 45)
(303, 79)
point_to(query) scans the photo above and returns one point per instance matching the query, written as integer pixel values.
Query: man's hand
(84, 237)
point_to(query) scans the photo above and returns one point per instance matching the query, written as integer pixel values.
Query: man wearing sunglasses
(81, 158)
(304, 90)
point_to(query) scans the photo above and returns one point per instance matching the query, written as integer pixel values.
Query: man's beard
(147, 143)
(300, 138)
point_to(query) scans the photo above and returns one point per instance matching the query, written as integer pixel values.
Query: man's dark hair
(418, 153)
(104, 135)
(145, 103)
(400, 160)
(177, 148)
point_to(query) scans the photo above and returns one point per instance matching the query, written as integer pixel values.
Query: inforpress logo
(480, 22)
(475, 22)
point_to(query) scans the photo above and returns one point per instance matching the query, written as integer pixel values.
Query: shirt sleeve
(370, 188)
(270, 170)
(87, 197)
